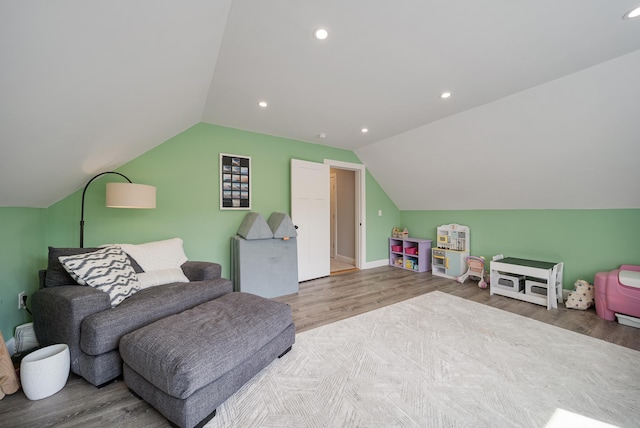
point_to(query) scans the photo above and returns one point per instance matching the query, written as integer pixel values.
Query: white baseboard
(377, 263)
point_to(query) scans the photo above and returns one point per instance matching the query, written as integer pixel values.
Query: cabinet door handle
(446, 264)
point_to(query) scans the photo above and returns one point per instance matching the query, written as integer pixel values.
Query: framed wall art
(235, 182)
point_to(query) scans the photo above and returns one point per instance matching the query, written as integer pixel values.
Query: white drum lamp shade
(45, 371)
(121, 195)
(130, 195)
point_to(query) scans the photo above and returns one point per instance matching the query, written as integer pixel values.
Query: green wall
(22, 240)
(185, 172)
(379, 227)
(587, 241)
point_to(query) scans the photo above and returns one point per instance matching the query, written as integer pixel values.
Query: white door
(334, 214)
(310, 208)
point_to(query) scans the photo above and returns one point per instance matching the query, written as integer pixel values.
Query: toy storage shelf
(410, 253)
(541, 272)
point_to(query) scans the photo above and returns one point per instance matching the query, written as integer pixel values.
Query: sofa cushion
(101, 332)
(56, 274)
(161, 277)
(107, 269)
(157, 255)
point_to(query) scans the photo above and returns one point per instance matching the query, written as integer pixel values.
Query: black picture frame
(235, 182)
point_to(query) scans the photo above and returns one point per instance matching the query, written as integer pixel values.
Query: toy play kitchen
(449, 258)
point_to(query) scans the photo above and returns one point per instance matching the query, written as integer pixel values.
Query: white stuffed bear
(582, 296)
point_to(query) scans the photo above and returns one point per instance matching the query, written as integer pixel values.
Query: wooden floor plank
(319, 302)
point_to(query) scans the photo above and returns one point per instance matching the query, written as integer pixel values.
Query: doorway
(310, 212)
(343, 224)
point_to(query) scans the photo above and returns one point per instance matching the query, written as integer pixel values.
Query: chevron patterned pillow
(107, 269)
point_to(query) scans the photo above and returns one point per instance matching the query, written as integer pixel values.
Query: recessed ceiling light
(632, 13)
(322, 135)
(321, 33)
(263, 104)
(445, 95)
(364, 130)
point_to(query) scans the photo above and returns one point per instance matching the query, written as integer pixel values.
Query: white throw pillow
(157, 255)
(161, 277)
(107, 269)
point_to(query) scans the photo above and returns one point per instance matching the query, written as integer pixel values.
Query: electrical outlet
(22, 300)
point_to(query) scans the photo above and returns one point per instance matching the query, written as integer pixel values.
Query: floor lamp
(122, 195)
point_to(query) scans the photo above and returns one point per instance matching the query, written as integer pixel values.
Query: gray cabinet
(264, 256)
(266, 267)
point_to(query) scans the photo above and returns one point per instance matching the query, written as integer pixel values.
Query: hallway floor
(339, 266)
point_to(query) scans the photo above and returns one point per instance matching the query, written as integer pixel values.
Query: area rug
(440, 361)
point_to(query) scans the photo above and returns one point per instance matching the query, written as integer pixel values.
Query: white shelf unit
(449, 257)
(528, 270)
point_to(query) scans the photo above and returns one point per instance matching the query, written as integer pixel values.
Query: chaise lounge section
(188, 364)
(83, 317)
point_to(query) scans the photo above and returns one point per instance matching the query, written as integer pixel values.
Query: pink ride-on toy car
(618, 291)
(475, 268)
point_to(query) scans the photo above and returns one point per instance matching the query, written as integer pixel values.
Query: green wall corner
(23, 252)
(586, 241)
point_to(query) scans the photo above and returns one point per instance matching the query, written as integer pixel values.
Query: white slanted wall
(572, 143)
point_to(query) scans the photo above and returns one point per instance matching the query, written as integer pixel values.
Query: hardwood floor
(340, 266)
(336, 297)
(319, 302)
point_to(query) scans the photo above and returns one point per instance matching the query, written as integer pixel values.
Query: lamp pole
(83, 193)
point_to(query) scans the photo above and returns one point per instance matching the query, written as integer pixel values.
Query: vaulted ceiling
(543, 113)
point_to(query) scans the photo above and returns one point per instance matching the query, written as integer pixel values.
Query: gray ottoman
(187, 364)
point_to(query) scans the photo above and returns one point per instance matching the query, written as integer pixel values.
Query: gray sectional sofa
(83, 318)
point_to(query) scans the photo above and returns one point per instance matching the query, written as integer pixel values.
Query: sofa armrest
(59, 311)
(42, 274)
(635, 268)
(201, 271)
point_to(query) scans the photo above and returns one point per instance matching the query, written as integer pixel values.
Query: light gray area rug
(440, 361)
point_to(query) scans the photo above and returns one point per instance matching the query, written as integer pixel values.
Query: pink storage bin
(396, 248)
(411, 250)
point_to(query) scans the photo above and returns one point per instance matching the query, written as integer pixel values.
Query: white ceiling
(542, 92)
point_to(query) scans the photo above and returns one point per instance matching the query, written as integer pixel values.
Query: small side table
(45, 371)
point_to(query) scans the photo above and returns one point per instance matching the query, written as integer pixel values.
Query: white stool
(45, 371)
